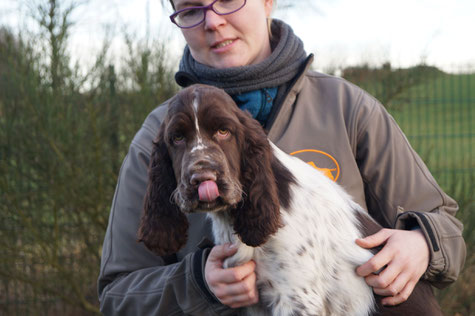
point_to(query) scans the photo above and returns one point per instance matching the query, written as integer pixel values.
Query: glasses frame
(204, 9)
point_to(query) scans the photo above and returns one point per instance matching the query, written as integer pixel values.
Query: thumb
(374, 240)
(221, 252)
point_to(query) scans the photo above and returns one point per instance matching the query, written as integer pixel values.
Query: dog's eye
(223, 133)
(178, 139)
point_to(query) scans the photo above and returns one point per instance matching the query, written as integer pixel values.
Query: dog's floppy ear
(163, 227)
(258, 217)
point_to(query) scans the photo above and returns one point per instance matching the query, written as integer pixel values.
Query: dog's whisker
(176, 197)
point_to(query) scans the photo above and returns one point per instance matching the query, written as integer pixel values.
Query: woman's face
(233, 40)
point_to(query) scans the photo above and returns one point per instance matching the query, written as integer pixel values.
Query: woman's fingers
(221, 252)
(375, 240)
(384, 279)
(395, 287)
(402, 296)
(406, 256)
(234, 274)
(236, 286)
(376, 263)
(241, 294)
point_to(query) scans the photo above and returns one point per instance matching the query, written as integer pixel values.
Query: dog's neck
(223, 227)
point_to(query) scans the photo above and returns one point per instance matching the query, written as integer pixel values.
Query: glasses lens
(228, 6)
(190, 17)
(195, 15)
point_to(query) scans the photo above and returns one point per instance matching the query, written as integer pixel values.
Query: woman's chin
(226, 62)
(222, 61)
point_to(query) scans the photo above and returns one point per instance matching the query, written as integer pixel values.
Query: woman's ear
(163, 227)
(269, 6)
(258, 216)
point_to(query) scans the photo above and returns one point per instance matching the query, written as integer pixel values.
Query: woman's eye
(190, 13)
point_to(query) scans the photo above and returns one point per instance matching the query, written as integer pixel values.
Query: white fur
(199, 140)
(311, 260)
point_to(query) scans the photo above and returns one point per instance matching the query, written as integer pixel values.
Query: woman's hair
(171, 2)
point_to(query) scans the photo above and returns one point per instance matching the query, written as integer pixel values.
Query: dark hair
(171, 2)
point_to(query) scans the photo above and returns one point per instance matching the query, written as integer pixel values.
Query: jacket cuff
(199, 261)
(412, 220)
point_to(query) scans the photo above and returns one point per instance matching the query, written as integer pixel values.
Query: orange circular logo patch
(320, 160)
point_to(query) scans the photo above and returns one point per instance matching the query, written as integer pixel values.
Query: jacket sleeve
(401, 192)
(134, 281)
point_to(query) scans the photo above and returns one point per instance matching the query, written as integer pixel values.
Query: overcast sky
(338, 32)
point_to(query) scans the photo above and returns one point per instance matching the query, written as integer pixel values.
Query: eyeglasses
(192, 16)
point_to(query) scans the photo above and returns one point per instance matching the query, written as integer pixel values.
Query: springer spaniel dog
(295, 223)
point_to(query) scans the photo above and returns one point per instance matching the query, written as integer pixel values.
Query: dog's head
(209, 156)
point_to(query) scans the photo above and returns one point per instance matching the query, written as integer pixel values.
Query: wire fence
(437, 118)
(435, 111)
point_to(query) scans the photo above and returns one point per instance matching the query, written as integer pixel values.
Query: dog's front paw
(243, 255)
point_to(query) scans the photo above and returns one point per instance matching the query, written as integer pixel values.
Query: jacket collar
(279, 119)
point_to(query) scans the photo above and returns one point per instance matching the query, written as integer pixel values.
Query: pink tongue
(208, 191)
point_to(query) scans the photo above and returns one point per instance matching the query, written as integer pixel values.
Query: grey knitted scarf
(280, 67)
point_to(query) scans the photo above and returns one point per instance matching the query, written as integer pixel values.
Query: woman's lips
(223, 45)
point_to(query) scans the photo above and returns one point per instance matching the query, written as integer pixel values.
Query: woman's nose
(213, 20)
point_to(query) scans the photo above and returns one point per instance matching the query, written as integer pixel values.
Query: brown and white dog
(296, 224)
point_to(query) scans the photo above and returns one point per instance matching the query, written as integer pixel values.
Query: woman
(322, 119)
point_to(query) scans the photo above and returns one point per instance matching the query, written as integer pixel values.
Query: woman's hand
(406, 255)
(234, 287)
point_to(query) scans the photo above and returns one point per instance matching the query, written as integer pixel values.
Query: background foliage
(436, 112)
(63, 136)
(64, 133)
